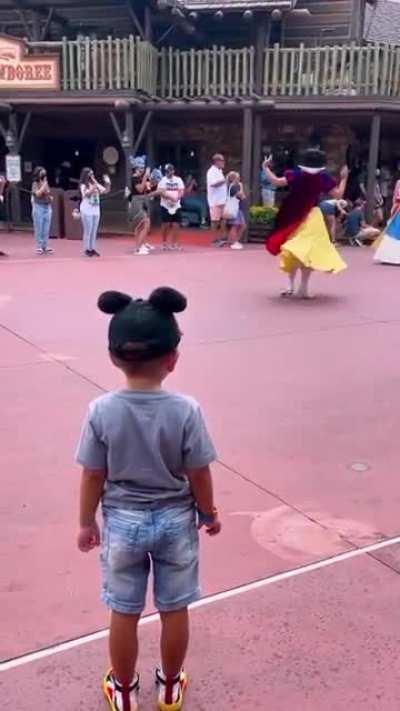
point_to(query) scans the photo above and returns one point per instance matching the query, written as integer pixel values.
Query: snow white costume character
(388, 250)
(300, 236)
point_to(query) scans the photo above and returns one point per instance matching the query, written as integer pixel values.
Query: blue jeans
(41, 216)
(90, 224)
(163, 535)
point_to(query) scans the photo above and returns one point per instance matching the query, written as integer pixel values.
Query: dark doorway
(64, 160)
(184, 156)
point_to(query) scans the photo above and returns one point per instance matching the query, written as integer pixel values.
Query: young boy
(356, 229)
(146, 456)
(172, 189)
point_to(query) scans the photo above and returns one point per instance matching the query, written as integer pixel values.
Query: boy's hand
(214, 529)
(88, 538)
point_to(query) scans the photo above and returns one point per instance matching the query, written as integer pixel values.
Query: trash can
(72, 227)
(57, 220)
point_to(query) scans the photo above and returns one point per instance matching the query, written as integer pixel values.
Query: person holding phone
(91, 191)
(41, 210)
(268, 190)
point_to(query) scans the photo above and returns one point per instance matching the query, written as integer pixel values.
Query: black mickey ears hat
(141, 330)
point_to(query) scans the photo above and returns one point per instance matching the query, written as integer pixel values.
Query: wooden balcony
(135, 66)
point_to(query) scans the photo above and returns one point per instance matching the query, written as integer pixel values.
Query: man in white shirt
(171, 189)
(216, 193)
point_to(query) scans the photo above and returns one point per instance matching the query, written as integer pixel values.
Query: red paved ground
(295, 393)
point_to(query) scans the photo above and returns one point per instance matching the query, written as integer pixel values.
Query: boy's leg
(175, 234)
(123, 646)
(174, 641)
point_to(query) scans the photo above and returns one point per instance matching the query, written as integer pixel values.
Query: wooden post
(148, 25)
(357, 21)
(247, 152)
(257, 157)
(261, 36)
(125, 138)
(373, 163)
(15, 145)
(127, 144)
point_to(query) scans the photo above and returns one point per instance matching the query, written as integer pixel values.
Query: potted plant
(261, 222)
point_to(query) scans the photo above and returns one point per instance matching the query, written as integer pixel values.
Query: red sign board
(20, 70)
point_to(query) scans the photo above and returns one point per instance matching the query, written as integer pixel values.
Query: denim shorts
(164, 538)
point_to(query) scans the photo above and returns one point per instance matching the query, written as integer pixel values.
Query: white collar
(312, 171)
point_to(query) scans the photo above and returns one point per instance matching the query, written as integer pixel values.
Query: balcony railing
(109, 65)
(132, 64)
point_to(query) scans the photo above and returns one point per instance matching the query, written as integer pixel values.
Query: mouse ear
(168, 300)
(110, 302)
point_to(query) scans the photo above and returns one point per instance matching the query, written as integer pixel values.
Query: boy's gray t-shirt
(144, 441)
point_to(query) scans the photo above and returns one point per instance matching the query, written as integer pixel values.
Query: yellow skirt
(311, 247)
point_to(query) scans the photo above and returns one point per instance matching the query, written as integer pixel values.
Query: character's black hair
(312, 158)
(142, 330)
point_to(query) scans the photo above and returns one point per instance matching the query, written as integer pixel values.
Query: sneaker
(223, 242)
(94, 253)
(143, 250)
(237, 245)
(88, 253)
(176, 248)
(171, 694)
(48, 250)
(165, 247)
(118, 699)
(39, 250)
(3, 254)
(358, 242)
(149, 246)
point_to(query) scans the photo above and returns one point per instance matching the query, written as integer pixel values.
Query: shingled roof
(382, 22)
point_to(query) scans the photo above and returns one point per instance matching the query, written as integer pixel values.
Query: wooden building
(180, 79)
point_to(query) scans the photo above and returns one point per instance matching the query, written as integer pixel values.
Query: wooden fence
(135, 65)
(108, 65)
(372, 70)
(206, 73)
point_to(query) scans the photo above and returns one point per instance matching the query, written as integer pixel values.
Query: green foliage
(260, 215)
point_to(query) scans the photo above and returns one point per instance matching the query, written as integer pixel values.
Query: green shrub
(262, 215)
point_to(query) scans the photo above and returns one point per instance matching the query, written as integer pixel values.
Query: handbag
(231, 208)
(76, 214)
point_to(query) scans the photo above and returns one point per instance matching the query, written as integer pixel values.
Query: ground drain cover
(360, 467)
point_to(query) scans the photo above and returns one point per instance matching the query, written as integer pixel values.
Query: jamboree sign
(20, 70)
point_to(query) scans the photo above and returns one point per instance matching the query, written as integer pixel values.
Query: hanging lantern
(219, 15)
(276, 15)
(194, 16)
(247, 15)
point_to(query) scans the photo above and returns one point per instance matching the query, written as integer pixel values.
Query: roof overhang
(236, 5)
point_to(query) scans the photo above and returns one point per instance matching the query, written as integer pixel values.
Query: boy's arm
(202, 489)
(92, 486)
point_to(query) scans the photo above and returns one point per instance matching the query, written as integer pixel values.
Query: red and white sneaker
(171, 691)
(121, 699)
